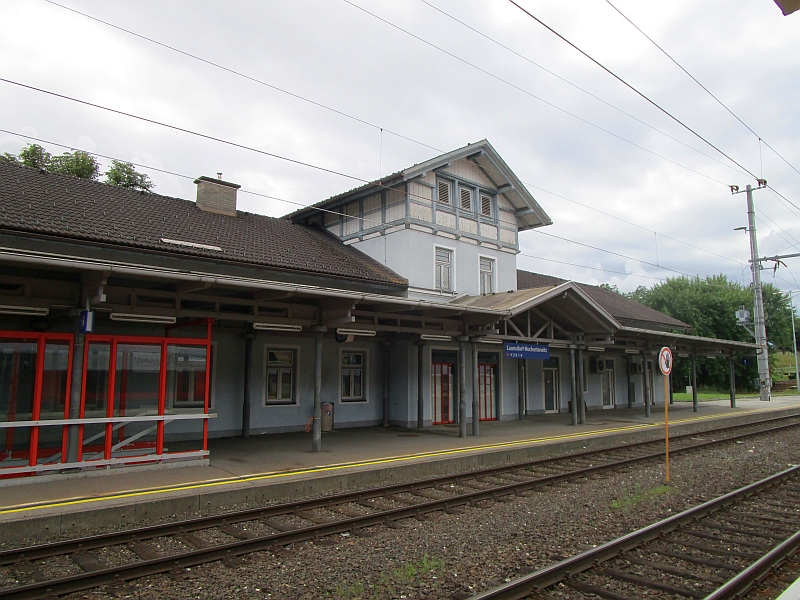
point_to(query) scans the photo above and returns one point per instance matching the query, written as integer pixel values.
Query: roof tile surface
(64, 206)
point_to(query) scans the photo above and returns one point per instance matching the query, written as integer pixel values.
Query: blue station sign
(534, 351)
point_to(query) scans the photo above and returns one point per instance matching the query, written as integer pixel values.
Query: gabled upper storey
(468, 194)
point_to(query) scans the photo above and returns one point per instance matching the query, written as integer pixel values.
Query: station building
(135, 326)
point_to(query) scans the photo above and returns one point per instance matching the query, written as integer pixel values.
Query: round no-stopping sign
(665, 360)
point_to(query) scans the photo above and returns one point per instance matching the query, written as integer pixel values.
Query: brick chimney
(216, 195)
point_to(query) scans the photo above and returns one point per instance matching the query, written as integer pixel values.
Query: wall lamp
(277, 327)
(134, 318)
(631, 351)
(431, 337)
(490, 341)
(364, 332)
(24, 311)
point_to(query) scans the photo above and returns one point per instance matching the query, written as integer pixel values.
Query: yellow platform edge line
(353, 465)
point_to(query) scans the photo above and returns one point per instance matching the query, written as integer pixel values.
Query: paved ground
(284, 456)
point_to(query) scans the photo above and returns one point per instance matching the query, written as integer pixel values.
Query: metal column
(248, 360)
(73, 434)
(420, 386)
(694, 383)
(671, 391)
(647, 392)
(732, 367)
(316, 444)
(573, 386)
(523, 388)
(385, 383)
(476, 400)
(758, 301)
(462, 388)
(581, 387)
(631, 396)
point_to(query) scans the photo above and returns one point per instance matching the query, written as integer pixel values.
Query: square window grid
(280, 376)
(353, 376)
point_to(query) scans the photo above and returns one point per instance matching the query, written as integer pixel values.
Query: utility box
(327, 416)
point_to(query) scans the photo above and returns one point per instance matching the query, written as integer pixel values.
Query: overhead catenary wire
(362, 219)
(529, 93)
(709, 92)
(563, 262)
(216, 64)
(634, 89)
(575, 85)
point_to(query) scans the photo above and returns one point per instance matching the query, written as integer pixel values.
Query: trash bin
(327, 416)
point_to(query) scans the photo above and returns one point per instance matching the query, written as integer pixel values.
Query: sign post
(665, 364)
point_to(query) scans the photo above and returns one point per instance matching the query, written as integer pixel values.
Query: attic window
(444, 191)
(486, 205)
(466, 198)
(191, 245)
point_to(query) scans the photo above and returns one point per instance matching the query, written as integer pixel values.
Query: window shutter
(486, 205)
(444, 192)
(466, 199)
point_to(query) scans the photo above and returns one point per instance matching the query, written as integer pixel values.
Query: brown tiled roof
(68, 207)
(626, 311)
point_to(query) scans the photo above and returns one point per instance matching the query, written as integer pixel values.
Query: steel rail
(39, 551)
(113, 575)
(739, 585)
(523, 586)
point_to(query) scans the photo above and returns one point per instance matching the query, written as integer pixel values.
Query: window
(186, 376)
(487, 275)
(280, 376)
(443, 188)
(444, 269)
(486, 205)
(466, 198)
(353, 384)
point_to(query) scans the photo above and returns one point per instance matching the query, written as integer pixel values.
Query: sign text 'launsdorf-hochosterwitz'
(534, 351)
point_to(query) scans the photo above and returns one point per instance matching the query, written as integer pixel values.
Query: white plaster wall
(410, 253)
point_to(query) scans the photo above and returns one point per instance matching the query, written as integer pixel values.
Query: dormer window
(443, 189)
(486, 205)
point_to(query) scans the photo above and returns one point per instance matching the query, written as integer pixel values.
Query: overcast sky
(333, 53)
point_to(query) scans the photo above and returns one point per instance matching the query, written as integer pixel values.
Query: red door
(442, 392)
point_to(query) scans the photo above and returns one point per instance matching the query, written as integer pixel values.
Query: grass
(705, 396)
(640, 495)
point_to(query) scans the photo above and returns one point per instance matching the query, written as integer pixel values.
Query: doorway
(443, 387)
(550, 376)
(487, 385)
(609, 384)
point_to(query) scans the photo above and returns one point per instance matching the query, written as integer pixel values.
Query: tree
(79, 164)
(709, 306)
(34, 156)
(125, 175)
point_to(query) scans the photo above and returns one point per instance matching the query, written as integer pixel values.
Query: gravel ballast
(454, 555)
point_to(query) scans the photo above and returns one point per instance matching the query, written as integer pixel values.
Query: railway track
(174, 547)
(715, 551)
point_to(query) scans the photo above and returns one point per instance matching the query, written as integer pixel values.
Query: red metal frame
(164, 343)
(41, 340)
(488, 388)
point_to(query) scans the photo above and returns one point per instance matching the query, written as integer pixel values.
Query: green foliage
(125, 175)
(34, 156)
(610, 288)
(78, 164)
(638, 495)
(709, 306)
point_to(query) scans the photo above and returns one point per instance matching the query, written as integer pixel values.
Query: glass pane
(286, 384)
(346, 383)
(186, 376)
(54, 399)
(272, 384)
(281, 357)
(136, 394)
(17, 380)
(357, 384)
(95, 399)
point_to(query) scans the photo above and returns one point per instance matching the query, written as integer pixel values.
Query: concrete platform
(281, 466)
